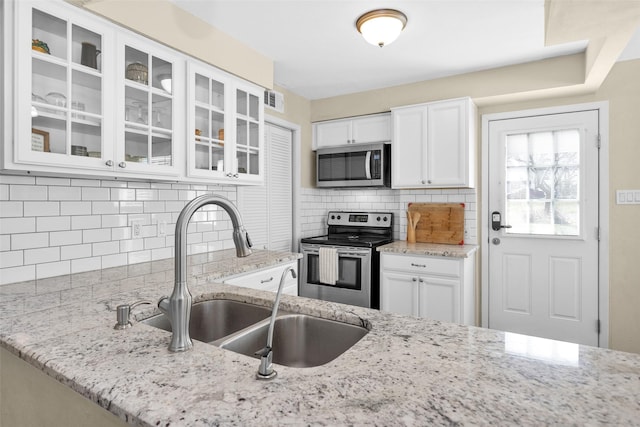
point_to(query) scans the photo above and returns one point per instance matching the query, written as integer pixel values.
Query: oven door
(354, 276)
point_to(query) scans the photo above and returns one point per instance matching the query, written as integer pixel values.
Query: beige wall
(621, 88)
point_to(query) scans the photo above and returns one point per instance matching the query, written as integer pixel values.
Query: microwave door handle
(367, 165)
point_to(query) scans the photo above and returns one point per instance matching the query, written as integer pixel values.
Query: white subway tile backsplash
(102, 208)
(123, 194)
(115, 260)
(139, 256)
(42, 255)
(135, 184)
(11, 259)
(96, 235)
(45, 180)
(62, 238)
(86, 264)
(114, 184)
(17, 225)
(5, 242)
(105, 248)
(27, 192)
(131, 207)
(132, 245)
(53, 223)
(157, 242)
(146, 194)
(17, 274)
(83, 222)
(65, 193)
(75, 208)
(85, 183)
(41, 208)
(29, 241)
(121, 233)
(161, 253)
(91, 193)
(4, 191)
(75, 251)
(114, 221)
(12, 209)
(17, 179)
(150, 207)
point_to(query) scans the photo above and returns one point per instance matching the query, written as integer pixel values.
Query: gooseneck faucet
(265, 370)
(177, 307)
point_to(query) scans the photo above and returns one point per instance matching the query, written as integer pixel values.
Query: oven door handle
(361, 254)
(367, 165)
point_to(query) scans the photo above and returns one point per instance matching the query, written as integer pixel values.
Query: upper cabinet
(225, 127)
(61, 111)
(433, 145)
(146, 107)
(94, 99)
(358, 130)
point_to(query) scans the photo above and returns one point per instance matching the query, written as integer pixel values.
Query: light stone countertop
(405, 371)
(429, 249)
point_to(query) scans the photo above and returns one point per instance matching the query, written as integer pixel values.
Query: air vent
(274, 100)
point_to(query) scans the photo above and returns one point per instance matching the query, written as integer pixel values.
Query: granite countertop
(429, 249)
(405, 371)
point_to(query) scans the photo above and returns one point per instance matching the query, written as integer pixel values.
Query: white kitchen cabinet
(150, 90)
(268, 279)
(433, 145)
(438, 288)
(225, 127)
(358, 130)
(94, 99)
(61, 111)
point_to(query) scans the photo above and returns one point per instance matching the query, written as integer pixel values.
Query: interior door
(543, 231)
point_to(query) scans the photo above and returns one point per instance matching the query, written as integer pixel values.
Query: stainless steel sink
(298, 340)
(214, 319)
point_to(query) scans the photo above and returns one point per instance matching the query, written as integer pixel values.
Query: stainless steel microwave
(366, 165)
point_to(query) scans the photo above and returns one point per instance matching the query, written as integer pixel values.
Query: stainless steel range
(348, 250)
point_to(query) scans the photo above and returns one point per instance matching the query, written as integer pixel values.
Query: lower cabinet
(437, 288)
(267, 279)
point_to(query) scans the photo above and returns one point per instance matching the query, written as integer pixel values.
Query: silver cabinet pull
(418, 265)
(413, 279)
(266, 280)
(122, 164)
(109, 163)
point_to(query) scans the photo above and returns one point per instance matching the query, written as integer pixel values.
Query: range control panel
(360, 219)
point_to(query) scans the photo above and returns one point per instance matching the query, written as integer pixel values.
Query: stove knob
(385, 219)
(333, 217)
(339, 217)
(378, 219)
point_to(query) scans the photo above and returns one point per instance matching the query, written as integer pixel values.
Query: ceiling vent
(274, 100)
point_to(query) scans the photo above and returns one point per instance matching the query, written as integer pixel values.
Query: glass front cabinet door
(149, 87)
(224, 127)
(60, 88)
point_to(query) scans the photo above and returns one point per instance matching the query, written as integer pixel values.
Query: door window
(542, 183)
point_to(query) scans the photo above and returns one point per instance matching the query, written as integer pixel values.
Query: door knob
(495, 241)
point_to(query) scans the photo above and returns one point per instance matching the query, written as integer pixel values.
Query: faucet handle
(123, 312)
(246, 234)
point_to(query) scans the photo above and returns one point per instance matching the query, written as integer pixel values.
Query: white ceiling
(318, 53)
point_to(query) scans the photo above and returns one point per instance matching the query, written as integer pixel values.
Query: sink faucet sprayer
(177, 307)
(266, 371)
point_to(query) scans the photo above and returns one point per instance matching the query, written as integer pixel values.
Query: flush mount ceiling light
(382, 26)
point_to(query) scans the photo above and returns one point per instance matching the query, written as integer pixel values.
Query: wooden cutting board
(439, 222)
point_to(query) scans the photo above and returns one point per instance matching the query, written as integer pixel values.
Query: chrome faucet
(265, 370)
(177, 307)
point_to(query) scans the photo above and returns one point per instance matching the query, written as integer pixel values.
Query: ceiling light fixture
(382, 26)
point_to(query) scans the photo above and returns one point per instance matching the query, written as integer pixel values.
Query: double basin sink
(299, 340)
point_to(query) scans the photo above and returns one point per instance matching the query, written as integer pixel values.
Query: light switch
(628, 197)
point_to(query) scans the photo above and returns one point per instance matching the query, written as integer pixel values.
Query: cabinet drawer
(422, 264)
(267, 280)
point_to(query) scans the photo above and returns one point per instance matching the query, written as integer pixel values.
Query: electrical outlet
(136, 229)
(162, 228)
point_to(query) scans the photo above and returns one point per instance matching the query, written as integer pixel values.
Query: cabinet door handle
(413, 279)
(266, 280)
(235, 175)
(429, 182)
(421, 281)
(418, 265)
(423, 181)
(109, 163)
(122, 164)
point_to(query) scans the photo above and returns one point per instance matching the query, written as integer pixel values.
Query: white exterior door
(543, 226)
